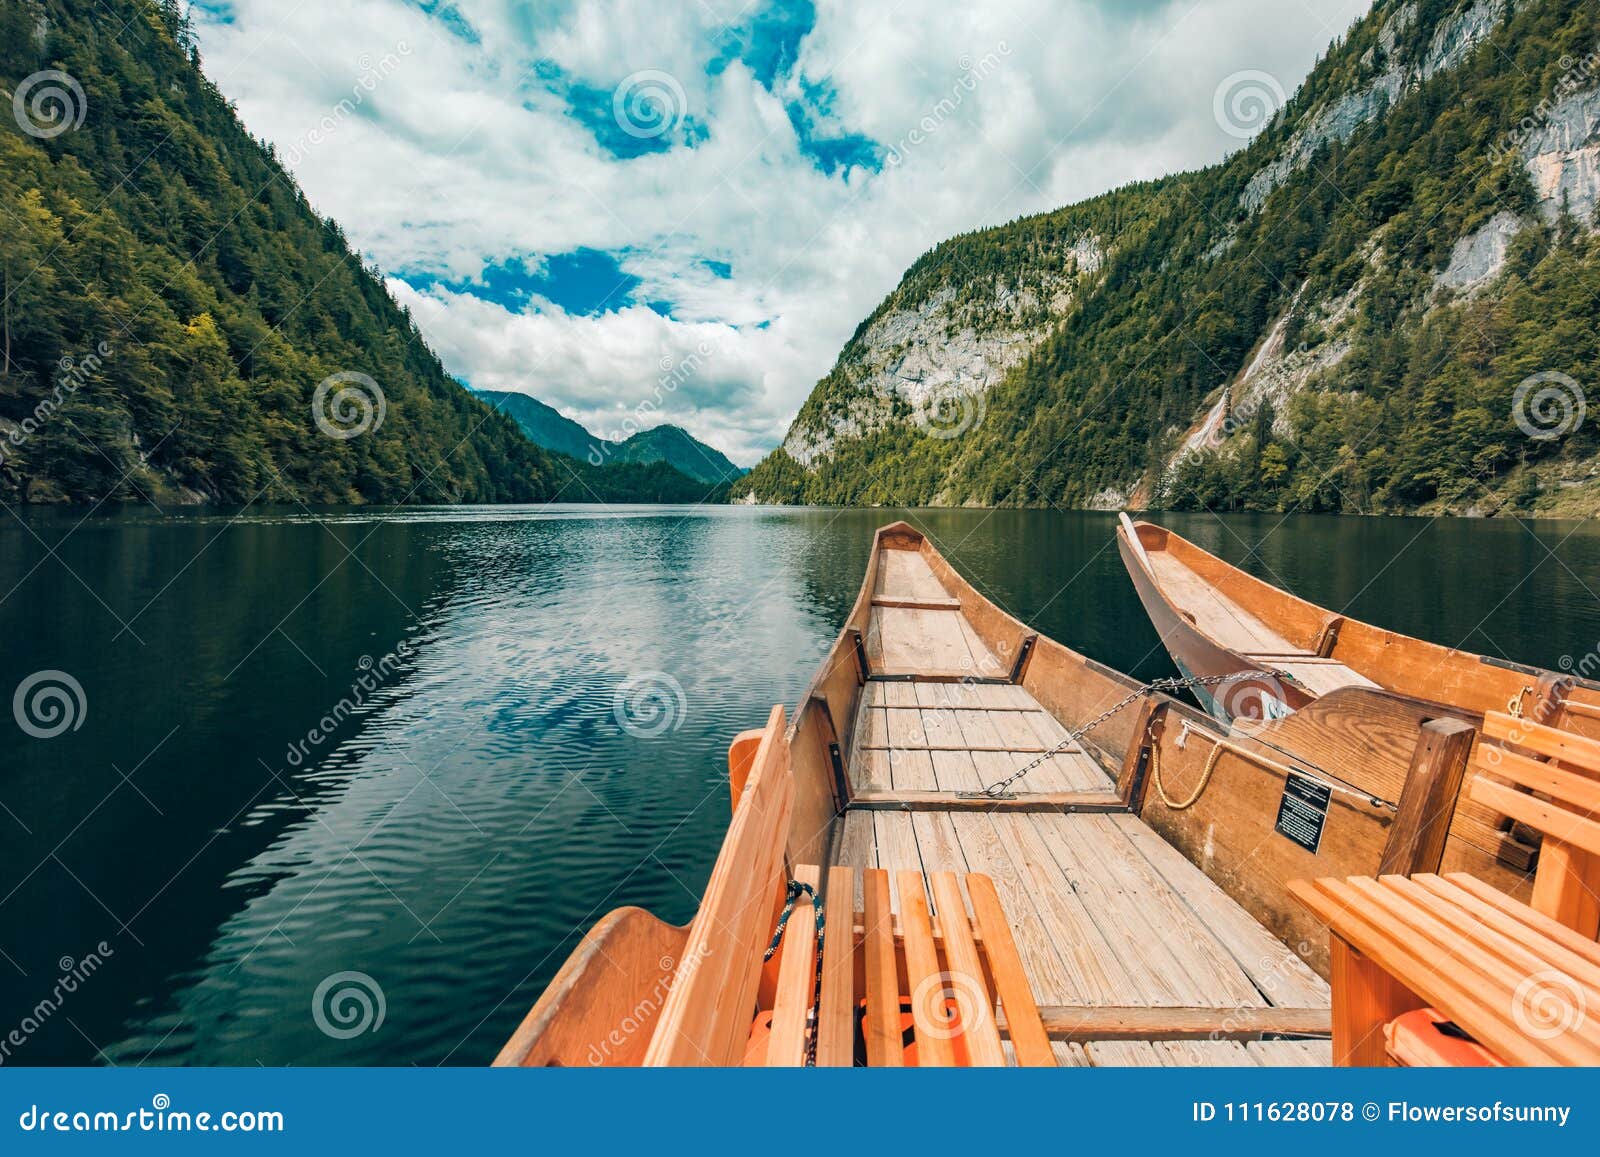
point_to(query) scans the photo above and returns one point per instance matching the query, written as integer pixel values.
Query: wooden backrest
(1567, 883)
(706, 1018)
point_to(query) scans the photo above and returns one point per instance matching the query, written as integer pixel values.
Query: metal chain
(997, 789)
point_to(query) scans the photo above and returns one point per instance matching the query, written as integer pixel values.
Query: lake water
(379, 761)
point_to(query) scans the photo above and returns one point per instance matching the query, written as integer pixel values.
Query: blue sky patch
(721, 268)
(447, 14)
(768, 42)
(584, 282)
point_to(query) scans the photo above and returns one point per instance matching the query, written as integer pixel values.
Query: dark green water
(463, 816)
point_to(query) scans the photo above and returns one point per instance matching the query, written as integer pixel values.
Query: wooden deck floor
(1106, 914)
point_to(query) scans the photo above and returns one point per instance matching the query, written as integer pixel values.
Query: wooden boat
(1215, 619)
(1123, 903)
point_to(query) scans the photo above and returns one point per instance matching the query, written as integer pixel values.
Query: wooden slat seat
(1521, 979)
(945, 1012)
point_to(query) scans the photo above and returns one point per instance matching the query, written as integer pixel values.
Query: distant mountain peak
(546, 426)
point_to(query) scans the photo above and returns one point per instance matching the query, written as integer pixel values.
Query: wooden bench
(956, 968)
(1521, 979)
(638, 991)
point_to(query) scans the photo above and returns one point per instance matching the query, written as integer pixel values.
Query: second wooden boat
(969, 844)
(1216, 619)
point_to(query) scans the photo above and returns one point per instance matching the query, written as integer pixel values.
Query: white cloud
(463, 156)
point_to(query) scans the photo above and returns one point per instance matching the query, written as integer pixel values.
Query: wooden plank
(1577, 791)
(985, 663)
(1428, 801)
(1122, 1054)
(940, 729)
(881, 1025)
(836, 1016)
(870, 771)
(1093, 974)
(857, 848)
(930, 641)
(897, 694)
(912, 771)
(1069, 1056)
(897, 849)
(1285, 1054)
(965, 975)
(1272, 966)
(905, 728)
(1204, 961)
(1018, 735)
(1546, 926)
(1549, 818)
(1547, 741)
(906, 574)
(1144, 932)
(929, 1017)
(1138, 1022)
(1027, 1032)
(1060, 802)
(955, 772)
(979, 731)
(937, 843)
(911, 602)
(1202, 1053)
(1492, 928)
(797, 979)
(980, 843)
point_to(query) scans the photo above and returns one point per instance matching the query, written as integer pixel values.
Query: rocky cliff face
(1111, 352)
(931, 344)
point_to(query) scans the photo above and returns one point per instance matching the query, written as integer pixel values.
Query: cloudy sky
(688, 205)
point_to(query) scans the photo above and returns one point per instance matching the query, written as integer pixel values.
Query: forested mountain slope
(178, 322)
(1388, 301)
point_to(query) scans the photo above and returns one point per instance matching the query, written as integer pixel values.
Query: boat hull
(1253, 692)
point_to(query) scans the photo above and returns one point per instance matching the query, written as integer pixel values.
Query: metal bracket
(1022, 657)
(863, 668)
